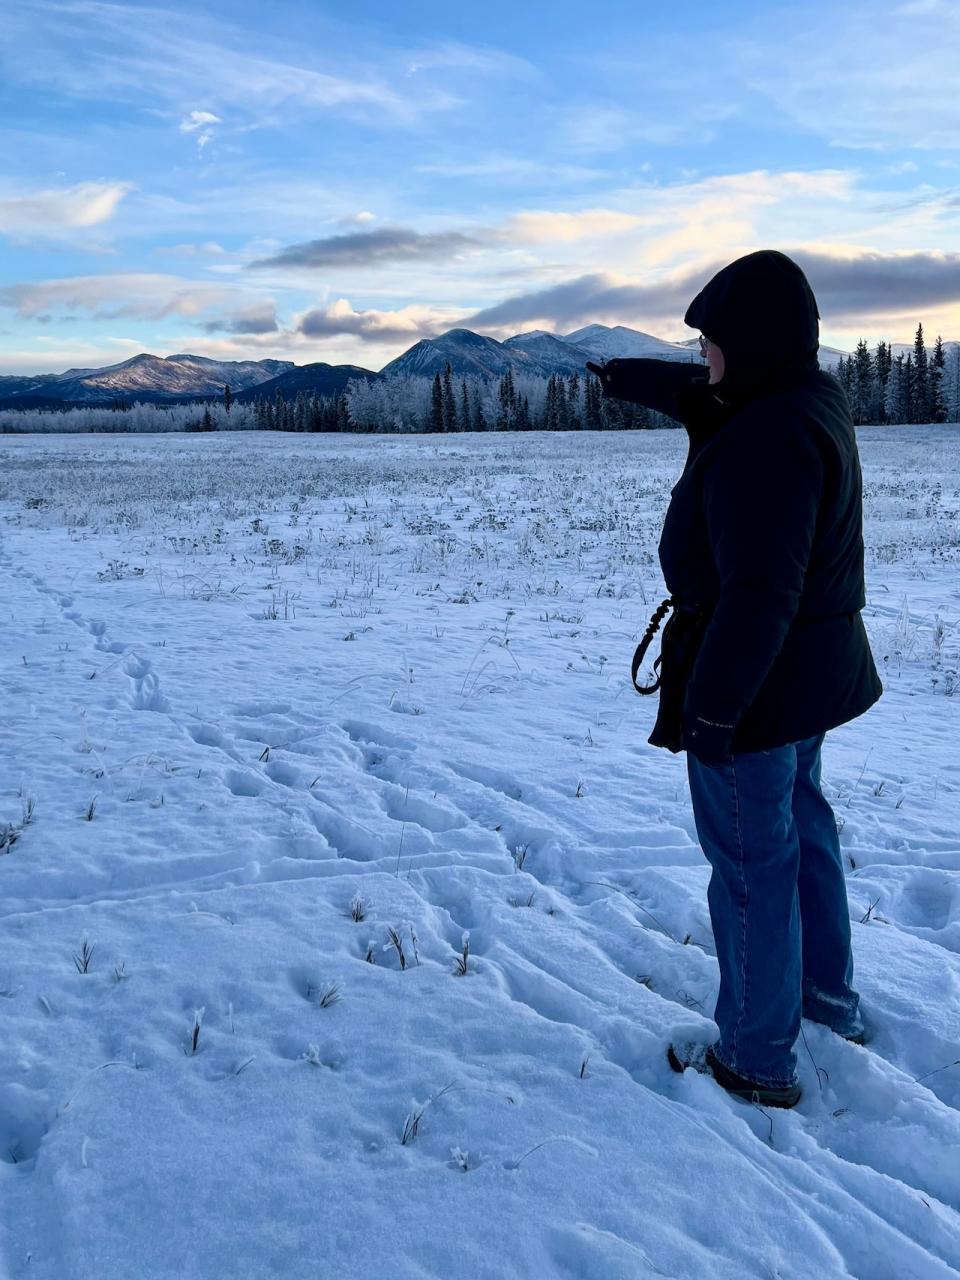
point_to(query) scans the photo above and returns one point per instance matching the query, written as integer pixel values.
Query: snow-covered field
(255, 686)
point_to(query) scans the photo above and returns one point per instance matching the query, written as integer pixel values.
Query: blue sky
(333, 182)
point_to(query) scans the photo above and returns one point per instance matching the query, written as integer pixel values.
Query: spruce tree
(954, 385)
(863, 383)
(593, 396)
(436, 405)
(921, 379)
(227, 399)
(506, 403)
(882, 364)
(479, 417)
(343, 412)
(895, 390)
(523, 414)
(549, 422)
(574, 412)
(563, 406)
(612, 414)
(449, 403)
(938, 408)
(300, 411)
(845, 375)
(463, 423)
(908, 392)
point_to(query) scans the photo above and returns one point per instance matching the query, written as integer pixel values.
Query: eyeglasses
(704, 343)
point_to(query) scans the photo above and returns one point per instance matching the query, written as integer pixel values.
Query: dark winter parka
(762, 543)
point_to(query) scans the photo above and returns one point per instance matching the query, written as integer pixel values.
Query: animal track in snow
(242, 783)
(206, 735)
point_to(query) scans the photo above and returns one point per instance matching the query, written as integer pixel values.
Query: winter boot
(702, 1058)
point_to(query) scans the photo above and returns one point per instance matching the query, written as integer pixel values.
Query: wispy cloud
(510, 170)
(370, 248)
(485, 60)
(147, 296)
(857, 75)
(97, 50)
(59, 209)
(547, 225)
(593, 126)
(209, 249)
(260, 318)
(201, 123)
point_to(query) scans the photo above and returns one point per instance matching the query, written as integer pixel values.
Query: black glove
(708, 741)
(606, 373)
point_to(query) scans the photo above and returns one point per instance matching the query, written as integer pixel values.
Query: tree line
(912, 387)
(456, 403)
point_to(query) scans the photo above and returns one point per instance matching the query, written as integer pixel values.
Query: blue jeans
(778, 905)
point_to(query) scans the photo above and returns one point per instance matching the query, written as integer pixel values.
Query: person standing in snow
(762, 553)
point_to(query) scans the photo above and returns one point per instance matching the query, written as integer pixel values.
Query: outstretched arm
(654, 383)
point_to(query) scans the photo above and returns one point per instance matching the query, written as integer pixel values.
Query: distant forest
(455, 403)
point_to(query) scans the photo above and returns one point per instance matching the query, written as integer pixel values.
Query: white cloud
(61, 209)
(147, 296)
(200, 123)
(55, 355)
(209, 248)
(339, 318)
(198, 120)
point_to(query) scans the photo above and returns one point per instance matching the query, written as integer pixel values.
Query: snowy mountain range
(187, 377)
(142, 377)
(536, 352)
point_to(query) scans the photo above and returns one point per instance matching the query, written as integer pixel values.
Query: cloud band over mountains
(847, 289)
(850, 291)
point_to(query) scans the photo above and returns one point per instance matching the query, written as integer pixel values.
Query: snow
(250, 678)
(608, 342)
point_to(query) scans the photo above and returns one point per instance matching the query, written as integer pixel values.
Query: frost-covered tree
(862, 385)
(449, 403)
(951, 384)
(938, 407)
(506, 419)
(882, 363)
(920, 385)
